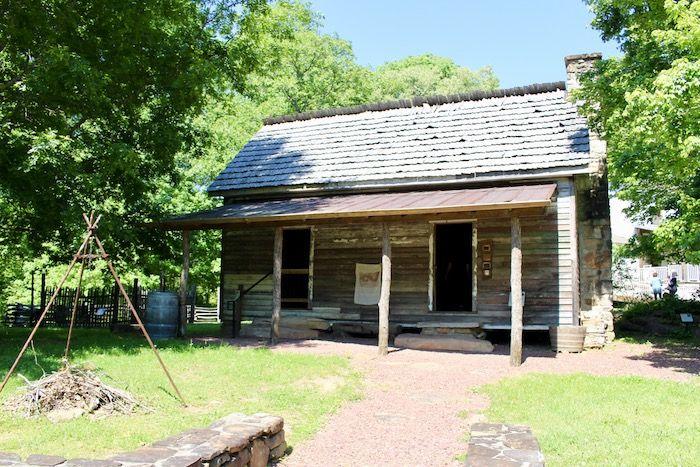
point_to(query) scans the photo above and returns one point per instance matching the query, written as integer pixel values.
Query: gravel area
(418, 405)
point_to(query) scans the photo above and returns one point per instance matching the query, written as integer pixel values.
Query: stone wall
(593, 228)
(236, 440)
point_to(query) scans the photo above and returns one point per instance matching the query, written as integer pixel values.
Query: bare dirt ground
(418, 405)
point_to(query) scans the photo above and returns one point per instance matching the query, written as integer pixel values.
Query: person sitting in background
(673, 284)
(656, 285)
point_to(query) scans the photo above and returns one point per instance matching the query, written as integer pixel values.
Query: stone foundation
(236, 440)
(599, 326)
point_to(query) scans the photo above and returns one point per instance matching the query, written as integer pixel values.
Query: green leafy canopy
(97, 97)
(646, 105)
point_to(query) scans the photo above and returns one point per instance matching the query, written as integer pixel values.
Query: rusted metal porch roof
(365, 206)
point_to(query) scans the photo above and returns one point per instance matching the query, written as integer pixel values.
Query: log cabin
(482, 211)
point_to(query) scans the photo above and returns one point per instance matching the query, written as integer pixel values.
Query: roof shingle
(456, 140)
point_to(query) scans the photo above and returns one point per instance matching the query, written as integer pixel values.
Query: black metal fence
(97, 308)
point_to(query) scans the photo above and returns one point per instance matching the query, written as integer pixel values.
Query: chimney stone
(576, 65)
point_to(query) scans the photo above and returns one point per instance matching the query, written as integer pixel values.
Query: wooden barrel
(162, 314)
(567, 338)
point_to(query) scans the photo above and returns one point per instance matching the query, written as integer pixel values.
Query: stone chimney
(576, 65)
(594, 281)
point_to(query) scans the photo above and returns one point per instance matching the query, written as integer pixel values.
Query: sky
(525, 41)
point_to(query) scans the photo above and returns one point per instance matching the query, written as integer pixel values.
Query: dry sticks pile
(70, 393)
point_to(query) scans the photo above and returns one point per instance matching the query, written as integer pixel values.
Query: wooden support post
(276, 287)
(238, 312)
(516, 293)
(385, 292)
(184, 278)
(221, 306)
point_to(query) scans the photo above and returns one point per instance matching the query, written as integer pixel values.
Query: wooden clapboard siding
(547, 266)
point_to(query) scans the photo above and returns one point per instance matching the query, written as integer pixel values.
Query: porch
(290, 263)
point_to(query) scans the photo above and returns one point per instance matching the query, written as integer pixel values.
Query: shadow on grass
(681, 355)
(49, 345)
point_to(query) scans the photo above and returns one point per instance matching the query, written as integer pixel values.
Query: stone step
(493, 444)
(448, 342)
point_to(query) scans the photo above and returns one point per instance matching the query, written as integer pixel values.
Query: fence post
(31, 306)
(115, 307)
(43, 293)
(135, 296)
(42, 297)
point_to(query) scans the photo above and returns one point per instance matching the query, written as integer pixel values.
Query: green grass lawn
(215, 381)
(593, 420)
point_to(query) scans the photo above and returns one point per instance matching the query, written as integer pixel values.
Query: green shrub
(658, 318)
(668, 308)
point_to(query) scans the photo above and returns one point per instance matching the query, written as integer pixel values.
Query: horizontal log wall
(246, 257)
(547, 267)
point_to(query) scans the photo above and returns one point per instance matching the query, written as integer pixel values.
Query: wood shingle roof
(527, 130)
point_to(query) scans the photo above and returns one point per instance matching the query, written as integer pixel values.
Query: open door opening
(453, 267)
(296, 256)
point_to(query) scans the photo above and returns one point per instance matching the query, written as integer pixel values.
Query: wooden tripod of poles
(83, 255)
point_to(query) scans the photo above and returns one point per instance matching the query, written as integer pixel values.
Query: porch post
(184, 278)
(516, 289)
(276, 287)
(385, 292)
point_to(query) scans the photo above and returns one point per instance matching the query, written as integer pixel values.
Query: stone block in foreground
(494, 444)
(448, 342)
(236, 440)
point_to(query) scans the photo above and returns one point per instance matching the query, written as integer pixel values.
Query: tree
(646, 105)
(96, 100)
(302, 69)
(425, 75)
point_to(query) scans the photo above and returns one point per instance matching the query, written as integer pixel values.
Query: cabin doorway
(296, 268)
(453, 267)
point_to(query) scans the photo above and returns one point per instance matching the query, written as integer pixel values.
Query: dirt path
(418, 405)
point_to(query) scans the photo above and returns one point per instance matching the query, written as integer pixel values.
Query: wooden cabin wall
(338, 248)
(246, 256)
(547, 267)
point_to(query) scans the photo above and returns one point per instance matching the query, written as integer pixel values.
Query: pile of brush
(70, 393)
